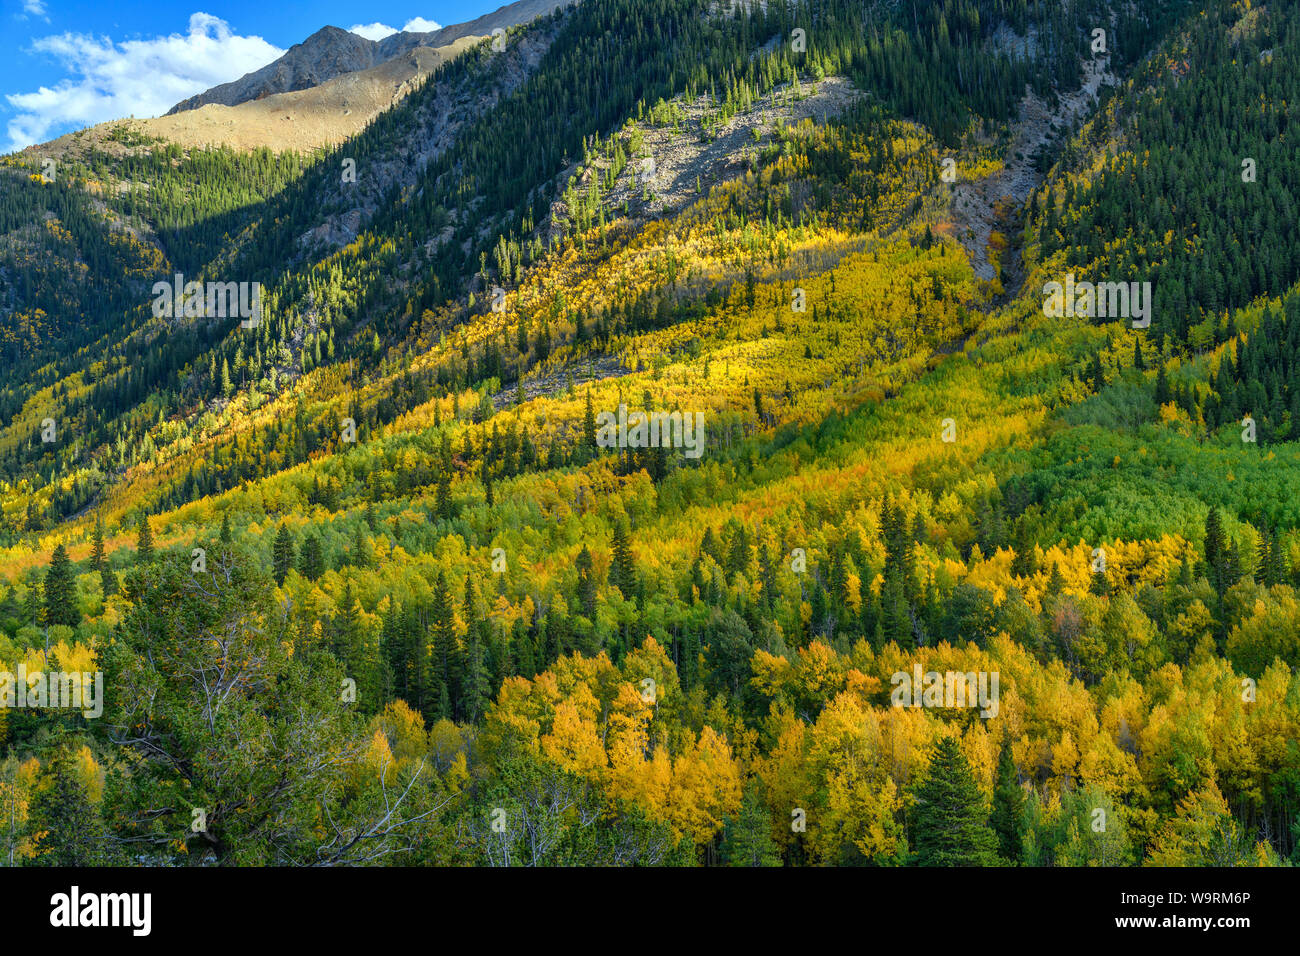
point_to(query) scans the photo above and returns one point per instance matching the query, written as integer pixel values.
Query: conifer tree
(442, 505)
(1007, 819)
(99, 561)
(443, 661)
(586, 583)
(61, 591)
(144, 552)
(311, 562)
(97, 545)
(72, 832)
(282, 554)
(747, 836)
(622, 571)
(589, 429)
(951, 822)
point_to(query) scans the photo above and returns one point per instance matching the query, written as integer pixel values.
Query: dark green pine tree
(622, 572)
(311, 562)
(1163, 395)
(97, 545)
(282, 554)
(1024, 564)
(895, 618)
(1055, 581)
(393, 652)
(1222, 563)
(1214, 542)
(443, 669)
(360, 549)
(586, 583)
(951, 825)
(1099, 584)
(589, 429)
(1097, 374)
(108, 581)
(477, 690)
(1277, 572)
(227, 536)
(99, 561)
(747, 837)
(345, 639)
(61, 591)
(144, 543)
(34, 603)
(443, 507)
(1007, 819)
(73, 833)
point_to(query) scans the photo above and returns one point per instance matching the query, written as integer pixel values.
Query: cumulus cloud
(372, 31)
(377, 31)
(35, 7)
(146, 77)
(421, 25)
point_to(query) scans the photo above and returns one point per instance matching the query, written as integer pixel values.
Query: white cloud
(372, 31)
(35, 7)
(147, 77)
(377, 31)
(421, 25)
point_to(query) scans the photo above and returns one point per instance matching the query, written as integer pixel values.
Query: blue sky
(66, 64)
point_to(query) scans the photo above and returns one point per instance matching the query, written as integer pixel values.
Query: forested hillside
(366, 582)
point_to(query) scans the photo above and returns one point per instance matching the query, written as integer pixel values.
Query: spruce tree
(282, 554)
(1008, 808)
(622, 571)
(443, 652)
(311, 562)
(72, 832)
(1163, 395)
(951, 821)
(97, 545)
(99, 560)
(747, 837)
(61, 591)
(108, 581)
(443, 507)
(586, 583)
(144, 542)
(589, 429)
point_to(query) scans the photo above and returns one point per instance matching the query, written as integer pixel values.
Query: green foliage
(951, 820)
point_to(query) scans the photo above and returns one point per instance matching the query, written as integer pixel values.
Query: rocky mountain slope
(331, 52)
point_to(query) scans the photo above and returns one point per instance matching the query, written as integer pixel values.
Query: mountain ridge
(332, 51)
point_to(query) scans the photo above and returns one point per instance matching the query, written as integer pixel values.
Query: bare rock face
(331, 52)
(324, 55)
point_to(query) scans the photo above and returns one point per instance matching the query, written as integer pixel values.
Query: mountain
(308, 119)
(323, 55)
(331, 52)
(631, 415)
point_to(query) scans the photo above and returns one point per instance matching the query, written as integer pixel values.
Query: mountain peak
(323, 55)
(332, 51)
